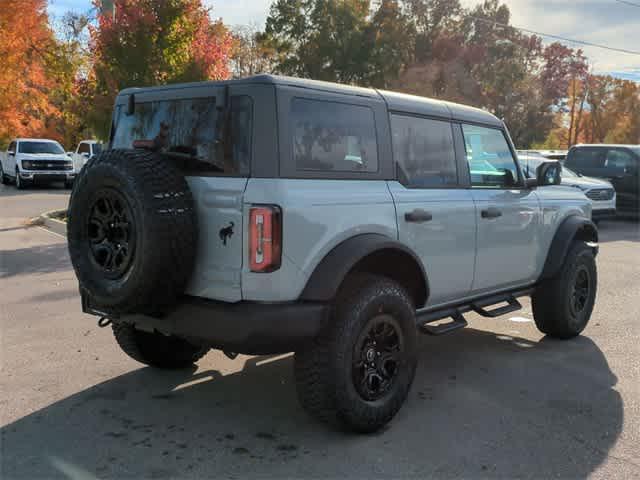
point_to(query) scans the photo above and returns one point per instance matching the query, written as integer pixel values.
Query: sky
(609, 22)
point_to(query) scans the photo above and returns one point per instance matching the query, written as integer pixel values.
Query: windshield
(41, 147)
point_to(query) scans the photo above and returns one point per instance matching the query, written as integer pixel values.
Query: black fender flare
(572, 228)
(324, 282)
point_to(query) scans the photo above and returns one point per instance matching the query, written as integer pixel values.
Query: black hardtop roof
(395, 101)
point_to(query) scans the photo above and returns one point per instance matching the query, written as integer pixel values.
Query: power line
(557, 37)
(628, 3)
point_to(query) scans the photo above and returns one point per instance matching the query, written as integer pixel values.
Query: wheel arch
(372, 253)
(572, 228)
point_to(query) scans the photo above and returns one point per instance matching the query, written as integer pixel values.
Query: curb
(52, 224)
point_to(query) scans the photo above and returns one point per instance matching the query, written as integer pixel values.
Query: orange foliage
(25, 41)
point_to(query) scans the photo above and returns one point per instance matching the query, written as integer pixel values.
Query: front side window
(423, 152)
(491, 163)
(331, 136)
(191, 130)
(84, 148)
(53, 148)
(618, 161)
(12, 147)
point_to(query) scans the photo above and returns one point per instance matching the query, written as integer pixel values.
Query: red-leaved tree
(147, 42)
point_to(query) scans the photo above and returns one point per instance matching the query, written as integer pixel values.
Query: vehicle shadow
(482, 405)
(36, 259)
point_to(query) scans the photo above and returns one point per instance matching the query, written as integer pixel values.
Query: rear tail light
(265, 238)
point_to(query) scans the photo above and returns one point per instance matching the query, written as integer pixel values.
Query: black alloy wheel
(111, 232)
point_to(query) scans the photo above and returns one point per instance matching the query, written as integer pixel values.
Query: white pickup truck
(84, 151)
(34, 160)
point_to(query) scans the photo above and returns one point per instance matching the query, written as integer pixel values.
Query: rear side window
(333, 137)
(423, 151)
(491, 163)
(190, 130)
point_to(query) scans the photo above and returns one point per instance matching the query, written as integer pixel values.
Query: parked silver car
(599, 191)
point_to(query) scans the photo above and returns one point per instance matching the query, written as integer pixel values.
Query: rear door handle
(491, 213)
(418, 216)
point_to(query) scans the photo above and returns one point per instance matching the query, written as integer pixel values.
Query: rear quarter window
(333, 137)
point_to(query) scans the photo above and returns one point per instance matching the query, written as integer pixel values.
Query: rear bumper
(244, 327)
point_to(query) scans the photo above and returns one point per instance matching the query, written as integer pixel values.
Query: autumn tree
(249, 55)
(151, 43)
(26, 49)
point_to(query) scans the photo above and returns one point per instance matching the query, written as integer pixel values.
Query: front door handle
(491, 212)
(418, 216)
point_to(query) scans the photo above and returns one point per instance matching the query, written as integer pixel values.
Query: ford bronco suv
(272, 215)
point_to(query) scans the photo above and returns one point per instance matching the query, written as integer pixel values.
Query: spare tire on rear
(132, 232)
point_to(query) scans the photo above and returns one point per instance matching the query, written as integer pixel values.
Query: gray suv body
(329, 220)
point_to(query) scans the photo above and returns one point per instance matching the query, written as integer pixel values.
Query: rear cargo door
(218, 192)
(220, 246)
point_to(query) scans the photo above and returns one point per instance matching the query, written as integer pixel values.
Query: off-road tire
(155, 349)
(163, 231)
(551, 302)
(323, 369)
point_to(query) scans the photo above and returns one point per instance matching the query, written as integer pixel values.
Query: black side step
(456, 323)
(512, 305)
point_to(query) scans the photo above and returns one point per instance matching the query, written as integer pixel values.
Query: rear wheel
(358, 372)
(156, 349)
(562, 305)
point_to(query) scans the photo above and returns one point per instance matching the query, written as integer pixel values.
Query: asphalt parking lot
(494, 400)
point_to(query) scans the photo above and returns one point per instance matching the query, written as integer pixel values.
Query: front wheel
(20, 183)
(358, 372)
(562, 305)
(3, 177)
(155, 349)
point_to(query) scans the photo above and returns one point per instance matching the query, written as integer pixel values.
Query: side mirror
(549, 173)
(85, 154)
(69, 154)
(11, 153)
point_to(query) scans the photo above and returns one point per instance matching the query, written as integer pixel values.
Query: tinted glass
(97, 148)
(187, 130)
(423, 152)
(53, 148)
(618, 161)
(491, 163)
(330, 136)
(586, 157)
(84, 148)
